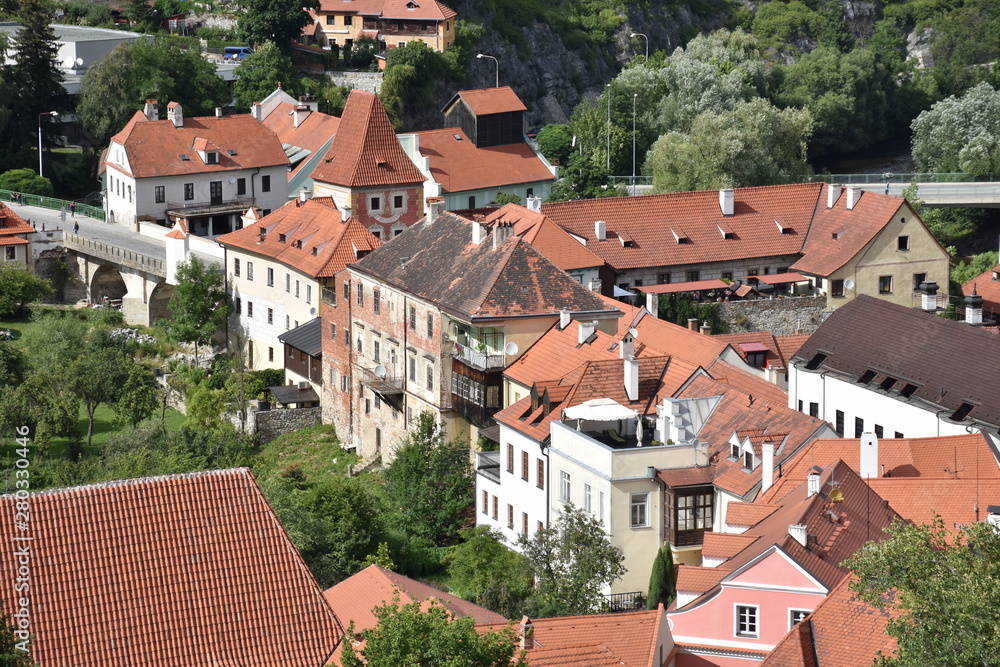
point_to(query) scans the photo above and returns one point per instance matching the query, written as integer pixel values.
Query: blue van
(237, 52)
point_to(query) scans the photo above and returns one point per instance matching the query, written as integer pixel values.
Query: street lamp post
(608, 167)
(639, 34)
(635, 96)
(44, 113)
(483, 55)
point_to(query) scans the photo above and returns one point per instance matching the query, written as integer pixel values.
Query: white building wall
(522, 495)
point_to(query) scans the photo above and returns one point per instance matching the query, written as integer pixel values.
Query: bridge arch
(107, 281)
(159, 299)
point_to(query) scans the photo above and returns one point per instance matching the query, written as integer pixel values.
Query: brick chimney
(594, 285)
(345, 212)
(527, 632)
(706, 329)
(798, 532)
(564, 318)
(304, 195)
(601, 230)
(974, 308)
(502, 230)
(928, 295)
(175, 114)
(479, 232)
(152, 110)
(693, 324)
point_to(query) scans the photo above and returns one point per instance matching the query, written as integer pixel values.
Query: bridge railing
(115, 254)
(913, 177)
(53, 203)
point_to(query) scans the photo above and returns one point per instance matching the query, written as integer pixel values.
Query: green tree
(960, 133)
(40, 402)
(205, 407)
(555, 142)
(582, 178)
(19, 287)
(572, 562)
(10, 653)
(277, 21)
(35, 72)
(482, 569)
(963, 272)
(137, 12)
(98, 376)
(430, 482)
(139, 398)
(26, 181)
(381, 557)
(662, 586)
(198, 306)
(506, 198)
(261, 72)
(421, 633)
(116, 87)
(941, 586)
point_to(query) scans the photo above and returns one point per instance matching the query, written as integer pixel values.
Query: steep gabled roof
(942, 359)
(547, 237)
(12, 224)
(365, 151)
(485, 101)
(438, 262)
(191, 569)
(988, 287)
(309, 236)
(459, 165)
(310, 137)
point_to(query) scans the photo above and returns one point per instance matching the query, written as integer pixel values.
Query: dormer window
(211, 157)
(281, 238)
(867, 377)
(735, 453)
(748, 460)
(962, 412)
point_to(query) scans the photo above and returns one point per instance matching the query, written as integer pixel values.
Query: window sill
(640, 527)
(739, 636)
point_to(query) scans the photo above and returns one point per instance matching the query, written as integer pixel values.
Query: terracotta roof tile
(416, 10)
(988, 287)
(748, 514)
(725, 545)
(11, 224)
(485, 101)
(459, 165)
(365, 151)
(312, 134)
(174, 570)
(317, 225)
(547, 237)
(438, 261)
(691, 579)
(154, 148)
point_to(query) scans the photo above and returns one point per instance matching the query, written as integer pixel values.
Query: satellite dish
(232, 179)
(379, 371)
(634, 332)
(78, 62)
(510, 348)
(312, 311)
(849, 284)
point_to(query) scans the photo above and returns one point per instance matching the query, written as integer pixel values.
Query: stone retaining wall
(272, 423)
(782, 317)
(370, 81)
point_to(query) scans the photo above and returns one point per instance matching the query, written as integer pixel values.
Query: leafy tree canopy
(198, 307)
(19, 286)
(482, 569)
(261, 72)
(556, 142)
(277, 21)
(26, 181)
(960, 133)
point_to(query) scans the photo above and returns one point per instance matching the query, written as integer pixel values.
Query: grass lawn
(104, 425)
(19, 325)
(316, 451)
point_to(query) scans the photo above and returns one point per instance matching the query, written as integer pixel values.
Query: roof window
(908, 390)
(887, 383)
(816, 361)
(183, 157)
(866, 377)
(962, 412)
(281, 238)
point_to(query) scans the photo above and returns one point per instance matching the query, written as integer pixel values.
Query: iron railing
(479, 360)
(620, 602)
(53, 204)
(241, 203)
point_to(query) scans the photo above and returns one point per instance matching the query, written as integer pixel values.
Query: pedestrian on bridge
(76, 227)
(72, 208)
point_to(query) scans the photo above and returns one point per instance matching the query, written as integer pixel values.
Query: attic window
(887, 383)
(211, 157)
(281, 238)
(315, 251)
(748, 460)
(866, 377)
(726, 232)
(963, 411)
(782, 229)
(458, 137)
(298, 244)
(625, 239)
(815, 362)
(183, 157)
(231, 152)
(735, 454)
(680, 236)
(908, 390)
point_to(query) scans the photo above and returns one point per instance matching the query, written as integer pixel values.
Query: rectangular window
(795, 617)
(265, 183)
(917, 279)
(495, 505)
(368, 406)
(249, 308)
(639, 510)
(347, 290)
(413, 369)
(239, 305)
(692, 276)
(837, 287)
(397, 201)
(343, 383)
(375, 300)
(373, 203)
(903, 243)
(746, 620)
(430, 377)
(840, 423)
(486, 503)
(348, 20)
(296, 289)
(361, 295)
(160, 194)
(564, 486)
(333, 378)
(333, 329)
(288, 282)
(524, 466)
(270, 354)
(377, 352)
(878, 431)
(270, 316)
(472, 201)
(270, 277)
(188, 191)
(430, 325)
(813, 409)
(540, 481)
(885, 284)
(241, 186)
(413, 318)
(309, 293)
(288, 322)
(587, 499)
(510, 517)
(249, 270)
(859, 427)
(236, 267)
(600, 506)
(524, 523)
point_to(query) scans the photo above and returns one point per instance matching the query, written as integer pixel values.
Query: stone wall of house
(782, 317)
(370, 81)
(272, 423)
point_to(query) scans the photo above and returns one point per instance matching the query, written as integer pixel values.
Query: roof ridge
(242, 471)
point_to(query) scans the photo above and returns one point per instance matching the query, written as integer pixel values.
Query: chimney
(632, 378)
(345, 212)
(813, 484)
(653, 304)
(435, 205)
(502, 231)
(928, 295)
(257, 111)
(218, 112)
(304, 195)
(564, 319)
(974, 308)
(535, 204)
(706, 329)
(853, 195)
(479, 232)
(175, 114)
(869, 456)
(152, 110)
(594, 285)
(767, 466)
(726, 201)
(693, 324)
(833, 194)
(798, 533)
(601, 230)
(584, 331)
(627, 347)
(299, 115)
(527, 634)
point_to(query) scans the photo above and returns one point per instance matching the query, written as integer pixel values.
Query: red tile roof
(178, 570)
(988, 287)
(748, 514)
(327, 243)
(365, 152)
(779, 348)
(547, 237)
(312, 134)
(459, 165)
(842, 631)
(691, 579)
(484, 101)
(11, 224)
(725, 545)
(416, 10)
(154, 148)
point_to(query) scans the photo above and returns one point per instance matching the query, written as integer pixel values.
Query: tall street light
(609, 129)
(44, 113)
(639, 34)
(483, 55)
(635, 96)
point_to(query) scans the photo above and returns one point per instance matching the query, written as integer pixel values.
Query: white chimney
(564, 319)
(653, 304)
(177, 248)
(594, 285)
(502, 231)
(627, 347)
(584, 331)
(812, 481)
(726, 203)
(706, 329)
(632, 379)
(435, 205)
(299, 115)
(218, 112)
(974, 308)
(853, 195)
(479, 232)
(304, 194)
(535, 204)
(928, 295)
(345, 212)
(152, 110)
(601, 230)
(798, 533)
(767, 466)
(869, 456)
(833, 194)
(257, 111)
(175, 114)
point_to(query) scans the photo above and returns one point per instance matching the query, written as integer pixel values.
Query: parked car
(237, 52)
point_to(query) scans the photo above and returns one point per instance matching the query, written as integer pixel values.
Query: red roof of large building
(485, 101)
(459, 165)
(309, 236)
(547, 237)
(182, 570)
(420, 10)
(365, 152)
(312, 133)
(155, 148)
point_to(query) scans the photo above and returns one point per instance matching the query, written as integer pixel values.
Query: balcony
(190, 209)
(488, 465)
(481, 361)
(388, 385)
(616, 603)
